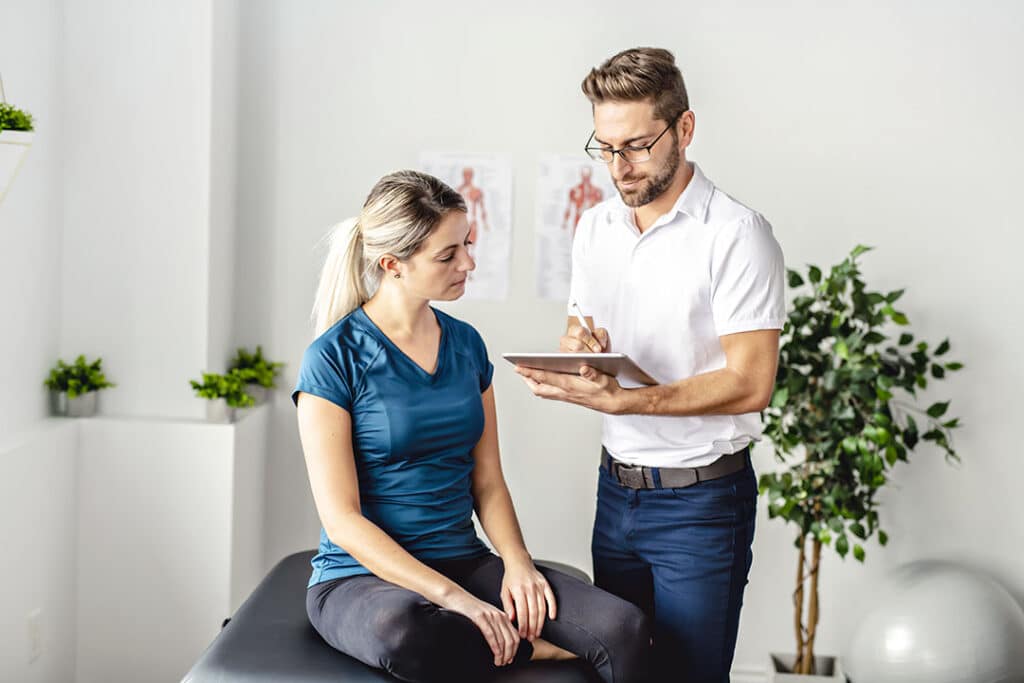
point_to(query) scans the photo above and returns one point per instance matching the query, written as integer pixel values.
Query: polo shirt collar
(693, 202)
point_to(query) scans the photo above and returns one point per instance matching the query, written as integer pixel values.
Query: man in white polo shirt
(689, 283)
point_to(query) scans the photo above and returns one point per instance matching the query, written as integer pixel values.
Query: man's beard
(654, 187)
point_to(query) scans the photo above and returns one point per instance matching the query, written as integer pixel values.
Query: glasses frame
(629, 148)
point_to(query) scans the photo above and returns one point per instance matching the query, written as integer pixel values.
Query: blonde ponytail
(342, 286)
(400, 213)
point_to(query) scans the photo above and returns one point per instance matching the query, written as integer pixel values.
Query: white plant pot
(80, 406)
(218, 410)
(828, 668)
(14, 145)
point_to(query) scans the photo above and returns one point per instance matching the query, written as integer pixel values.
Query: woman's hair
(642, 73)
(399, 214)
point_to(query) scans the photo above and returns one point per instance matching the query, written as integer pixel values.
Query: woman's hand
(527, 596)
(493, 623)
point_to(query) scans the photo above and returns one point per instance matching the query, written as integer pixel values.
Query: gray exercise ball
(936, 622)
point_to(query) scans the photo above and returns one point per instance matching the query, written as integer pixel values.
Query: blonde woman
(397, 419)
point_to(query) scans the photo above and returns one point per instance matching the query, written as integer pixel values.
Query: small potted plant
(841, 418)
(258, 372)
(74, 389)
(15, 139)
(224, 394)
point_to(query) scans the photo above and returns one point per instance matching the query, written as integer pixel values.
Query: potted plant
(842, 415)
(15, 139)
(74, 389)
(225, 393)
(258, 373)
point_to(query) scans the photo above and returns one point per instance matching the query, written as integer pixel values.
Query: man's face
(625, 124)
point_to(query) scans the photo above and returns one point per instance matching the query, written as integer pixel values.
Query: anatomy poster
(485, 183)
(566, 187)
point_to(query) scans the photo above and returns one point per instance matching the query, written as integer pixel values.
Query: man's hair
(641, 73)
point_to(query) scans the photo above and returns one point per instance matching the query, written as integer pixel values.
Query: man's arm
(744, 385)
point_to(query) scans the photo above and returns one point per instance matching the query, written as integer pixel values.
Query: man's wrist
(638, 401)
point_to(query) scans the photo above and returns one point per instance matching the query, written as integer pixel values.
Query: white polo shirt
(708, 268)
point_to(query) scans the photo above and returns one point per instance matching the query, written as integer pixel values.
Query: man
(689, 283)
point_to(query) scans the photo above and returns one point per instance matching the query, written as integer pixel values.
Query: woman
(397, 419)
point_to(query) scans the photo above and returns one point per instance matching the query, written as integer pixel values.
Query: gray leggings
(389, 627)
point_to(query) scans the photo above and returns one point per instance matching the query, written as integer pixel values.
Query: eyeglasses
(631, 154)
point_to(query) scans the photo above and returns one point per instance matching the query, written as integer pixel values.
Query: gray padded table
(270, 639)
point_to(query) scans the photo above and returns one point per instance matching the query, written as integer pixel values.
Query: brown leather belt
(641, 477)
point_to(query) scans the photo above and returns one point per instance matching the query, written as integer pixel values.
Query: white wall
(37, 491)
(223, 185)
(30, 215)
(138, 182)
(38, 565)
(135, 114)
(892, 126)
(169, 540)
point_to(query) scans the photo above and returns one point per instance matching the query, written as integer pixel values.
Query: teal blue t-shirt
(413, 433)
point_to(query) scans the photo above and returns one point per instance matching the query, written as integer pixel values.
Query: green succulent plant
(254, 368)
(79, 378)
(12, 118)
(230, 386)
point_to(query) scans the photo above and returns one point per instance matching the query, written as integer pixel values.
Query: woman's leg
(400, 631)
(610, 633)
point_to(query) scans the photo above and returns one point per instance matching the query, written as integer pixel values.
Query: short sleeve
(485, 368)
(747, 278)
(577, 281)
(321, 374)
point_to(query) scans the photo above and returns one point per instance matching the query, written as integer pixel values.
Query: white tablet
(616, 364)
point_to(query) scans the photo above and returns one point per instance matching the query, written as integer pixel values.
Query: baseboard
(748, 674)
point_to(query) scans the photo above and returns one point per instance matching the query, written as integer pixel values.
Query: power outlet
(33, 623)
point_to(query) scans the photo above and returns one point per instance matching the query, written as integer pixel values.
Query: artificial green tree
(842, 416)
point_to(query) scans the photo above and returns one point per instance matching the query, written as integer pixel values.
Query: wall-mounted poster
(566, 187)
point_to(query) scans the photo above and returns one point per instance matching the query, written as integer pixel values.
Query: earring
(397, 275)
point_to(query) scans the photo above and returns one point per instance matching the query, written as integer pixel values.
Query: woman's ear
(391, 266)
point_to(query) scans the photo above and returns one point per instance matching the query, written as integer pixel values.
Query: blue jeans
(681, 555)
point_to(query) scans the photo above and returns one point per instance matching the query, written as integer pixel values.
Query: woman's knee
(631, 637)
(405, 631)
(422, 642)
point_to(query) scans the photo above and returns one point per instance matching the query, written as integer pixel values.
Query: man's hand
(579, 340)
(590, 388)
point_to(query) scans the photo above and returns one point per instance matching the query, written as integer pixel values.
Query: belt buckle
(630, 476)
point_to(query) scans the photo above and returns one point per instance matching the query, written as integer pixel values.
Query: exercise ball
(936, 622)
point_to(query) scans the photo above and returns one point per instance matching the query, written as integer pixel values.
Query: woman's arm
(491, 498)
(326, 433)
(524, 590)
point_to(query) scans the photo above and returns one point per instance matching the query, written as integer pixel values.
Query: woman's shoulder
(347, 342)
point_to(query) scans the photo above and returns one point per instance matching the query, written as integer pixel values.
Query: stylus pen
(583, 321)
(579, 316)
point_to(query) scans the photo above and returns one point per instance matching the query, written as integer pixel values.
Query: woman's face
(439, 269)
